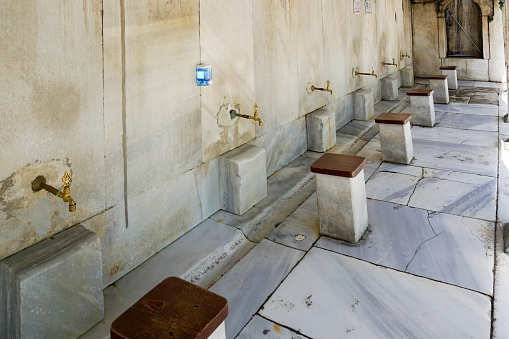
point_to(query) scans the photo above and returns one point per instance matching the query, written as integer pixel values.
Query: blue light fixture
(203, 75)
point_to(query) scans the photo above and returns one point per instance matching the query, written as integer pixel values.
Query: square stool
(174, 308)
(341, 192)
(389, 88)
(321, 130)
(441, 87)
(422, 107)
(395, 137)
(452, 76)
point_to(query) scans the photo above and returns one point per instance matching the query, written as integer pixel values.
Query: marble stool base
(452, 76)
(341, 193)
(395, 137)
(439, 84)
(422, 107)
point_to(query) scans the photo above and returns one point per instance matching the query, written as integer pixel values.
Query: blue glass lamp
(203, 75)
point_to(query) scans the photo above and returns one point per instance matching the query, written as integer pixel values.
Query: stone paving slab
(455, 136)
(417, 241)
(465, 199)
(445, 191)
(476, 109)
(467, 121)
(480, 160)
(301, 229)
(490, 84)
(329, 295)
(260, 327)
(250, 282)
(466, 83)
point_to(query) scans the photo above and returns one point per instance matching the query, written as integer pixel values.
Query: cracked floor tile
(329, 295)
(447, 248)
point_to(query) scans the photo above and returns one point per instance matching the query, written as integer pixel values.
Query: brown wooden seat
(449, 68)
(437, 77)
(393, 118)
(420, 92)
(339, 165)
(174, 308)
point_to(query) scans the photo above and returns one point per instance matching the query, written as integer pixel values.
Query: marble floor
(431, 264)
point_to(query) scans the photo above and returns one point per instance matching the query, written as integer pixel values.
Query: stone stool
(174, 308)
(407, 77)
(422, 107)
(389, 88)
(363, 105)
(341, 193)
(395, 137)
(452, 76)
(321, 130)
(53, 289)
(439, 84)
(242, 178)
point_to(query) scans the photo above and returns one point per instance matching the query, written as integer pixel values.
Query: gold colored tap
(245, 116)
(313, 88)
(402, 56)
(372, 73)
(40, 183)
(388, 64)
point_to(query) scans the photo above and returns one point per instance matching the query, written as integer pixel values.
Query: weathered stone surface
(389, 88)
(342, 206)
(452, 78)
(343, 109)
(321, 132)
(441, 90)
(243, 178)
(423, 110)
(407, 77)
(396, 142)
(284, 145)
(226, 42)
(52, 289)
(153, 91)
(52, 112)
(363, 105)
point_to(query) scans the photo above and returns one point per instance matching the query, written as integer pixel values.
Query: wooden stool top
(449, 68)
(339, 165)
(174, 308)
(437, 77)
(393, 118)
(420, 92)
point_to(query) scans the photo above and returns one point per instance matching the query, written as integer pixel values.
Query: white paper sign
(369, 8)
(357, 6)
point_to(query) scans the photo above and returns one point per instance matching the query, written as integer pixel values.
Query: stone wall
(430, 42)
(106, 89)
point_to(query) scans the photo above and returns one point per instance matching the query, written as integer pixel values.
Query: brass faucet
(313, 88)
(402, 56)
(255, 117)
(388, 64)
(372, 73)
(40, 183)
